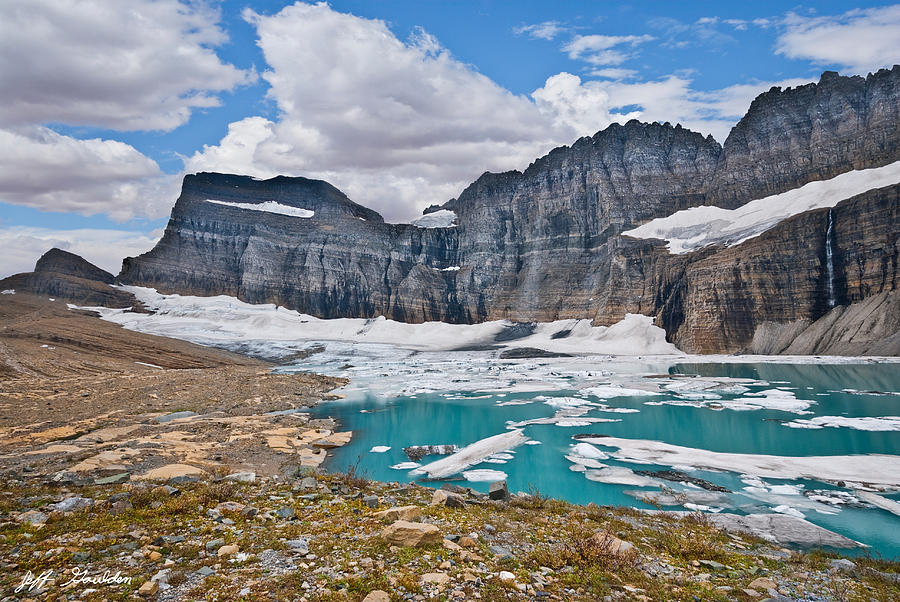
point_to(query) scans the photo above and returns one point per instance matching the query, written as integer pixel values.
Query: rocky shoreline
(181, 472)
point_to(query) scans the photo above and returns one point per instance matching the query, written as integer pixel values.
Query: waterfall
(829, 257)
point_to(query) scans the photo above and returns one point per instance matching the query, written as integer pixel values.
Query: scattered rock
(308, 484)
(763, 583)
(611, 544)
(498, 491)
(120, 507)
(371, 501)
(842, 564)
(173, 471)
(215, 544)
(285, 512)
(407, 513)
(447, 498)
(205, 571)
(226, 551)
(148, 588)
(33, 517)
(404, 533)
(298, 546)
(115, 479)
(506, 576)
(439, 579)
(242, 477)
(166, 490)
(230, 507)
(377, 596)
(73, 503)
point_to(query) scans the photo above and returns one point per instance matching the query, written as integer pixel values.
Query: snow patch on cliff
(268, 207)
(443, 218)
(699, 227)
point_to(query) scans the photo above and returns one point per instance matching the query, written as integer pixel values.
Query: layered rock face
(342, 261)
(813, 132)
(63, 275)
(545, 244)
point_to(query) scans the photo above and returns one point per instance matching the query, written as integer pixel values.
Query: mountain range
(813, 268)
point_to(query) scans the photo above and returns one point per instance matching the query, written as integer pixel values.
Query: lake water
(809, 437)
(399, 398)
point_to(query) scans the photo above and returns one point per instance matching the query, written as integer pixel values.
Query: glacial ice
(876, 469)
(268, 207)
(472, 454)
(442, 218)
(698, 227)
(484, 475)
(860, 423)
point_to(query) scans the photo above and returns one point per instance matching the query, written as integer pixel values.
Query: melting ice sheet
(222, 320)
(875, 469)
(699, 227)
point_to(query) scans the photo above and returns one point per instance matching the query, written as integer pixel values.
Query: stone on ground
(404, 533)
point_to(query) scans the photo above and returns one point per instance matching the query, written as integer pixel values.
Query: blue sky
(107, 103)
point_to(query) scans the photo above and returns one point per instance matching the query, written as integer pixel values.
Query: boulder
(498, 491)
(408, 513)
(404, 533)
(447, 498)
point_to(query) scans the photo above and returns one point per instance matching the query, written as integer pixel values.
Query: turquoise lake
(397, 399)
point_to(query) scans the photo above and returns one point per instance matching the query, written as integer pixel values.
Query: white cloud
(395, 125)
(569, 100)
(860, 40)
(136, 65)
(547, 30)
(398, 126)
(23, 245)
(613, 73)
(46, 170)
(598, 49)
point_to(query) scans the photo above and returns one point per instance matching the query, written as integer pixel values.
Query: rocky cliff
(66, 276)
(545, 243)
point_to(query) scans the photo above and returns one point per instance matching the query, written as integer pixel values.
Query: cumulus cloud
(860, 40)
(598, 49)
(547, 30)
(397, 125)
(46, 170)
(568, 99)
(400, 125)
(104, 248)
(137, 65)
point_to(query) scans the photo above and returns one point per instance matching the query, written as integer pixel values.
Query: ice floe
(380, 449)
(267, 207)
(860, 423)
(405, 465)
(472, 454)
(608, 391)
(586, 450)
(619, 475)
(876, 469)
(879, 501)
(484, 475)
(698, 227)
(770, 399)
